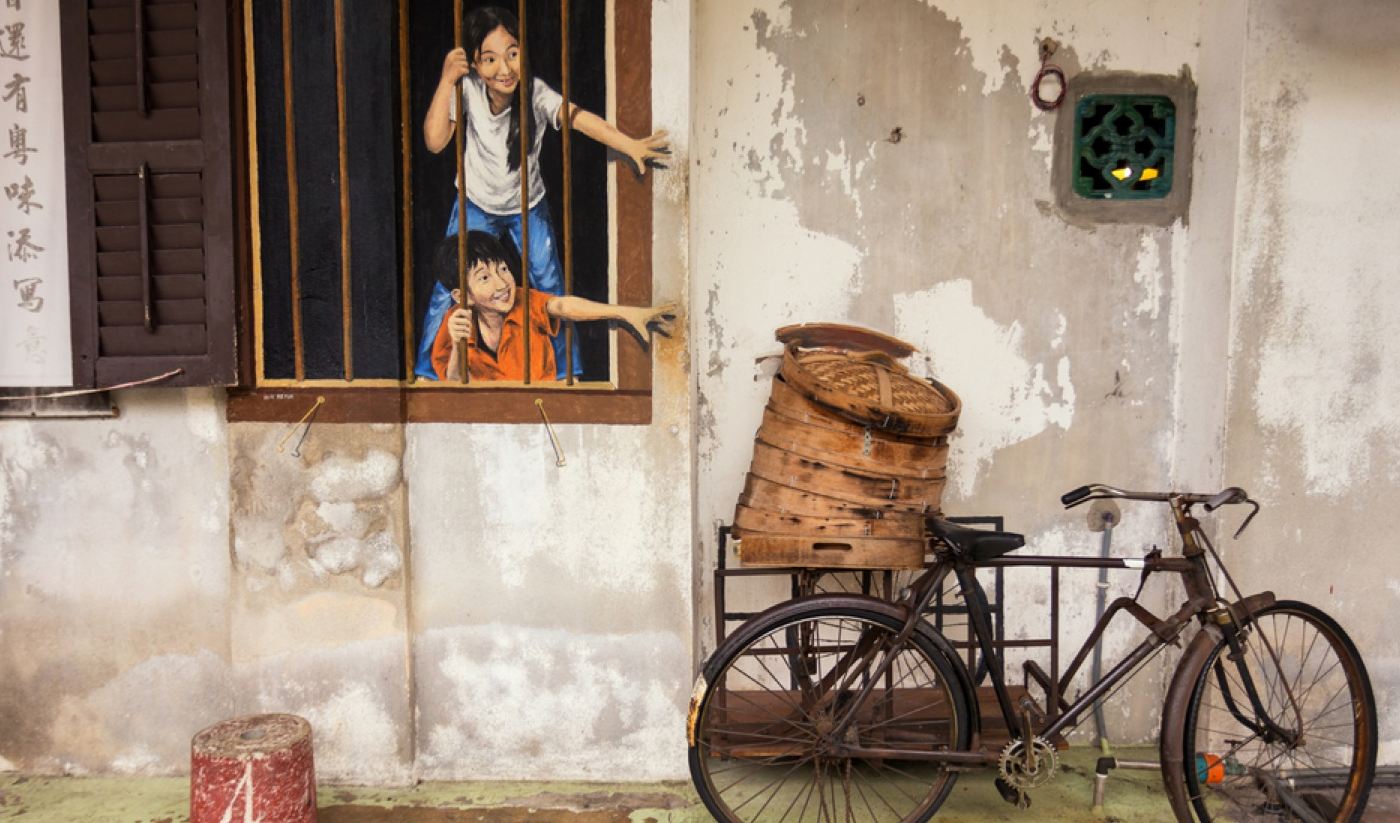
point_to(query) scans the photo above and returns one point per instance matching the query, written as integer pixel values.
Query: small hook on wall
(553, 441)
(308, 419)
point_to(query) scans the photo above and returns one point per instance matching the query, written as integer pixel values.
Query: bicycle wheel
(781, 686)
(1236, 758)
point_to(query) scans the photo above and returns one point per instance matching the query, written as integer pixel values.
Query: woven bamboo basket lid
(874, 389)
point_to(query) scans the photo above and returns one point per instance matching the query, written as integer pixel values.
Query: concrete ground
(1132, 797)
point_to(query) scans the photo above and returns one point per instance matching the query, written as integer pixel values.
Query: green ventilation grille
(1124, 146)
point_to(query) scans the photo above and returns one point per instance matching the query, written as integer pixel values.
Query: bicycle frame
(1202, 603)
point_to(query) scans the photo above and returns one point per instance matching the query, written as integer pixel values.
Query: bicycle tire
(1224, 757)
(755, 720)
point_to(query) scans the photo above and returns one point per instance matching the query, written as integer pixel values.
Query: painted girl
(492, 153)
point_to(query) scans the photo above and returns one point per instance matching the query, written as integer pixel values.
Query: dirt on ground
(411, 814)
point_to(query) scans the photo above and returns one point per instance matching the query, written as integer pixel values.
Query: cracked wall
(881, 164)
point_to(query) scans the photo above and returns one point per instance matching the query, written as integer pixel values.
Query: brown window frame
(628, 401)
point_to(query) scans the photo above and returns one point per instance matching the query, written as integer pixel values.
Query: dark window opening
(377, 198)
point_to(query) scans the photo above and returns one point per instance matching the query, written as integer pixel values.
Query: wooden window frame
(627, 402)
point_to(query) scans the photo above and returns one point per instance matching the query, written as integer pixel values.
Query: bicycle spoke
(780, 778)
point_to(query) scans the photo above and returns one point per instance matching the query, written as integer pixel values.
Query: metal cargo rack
(943, 613)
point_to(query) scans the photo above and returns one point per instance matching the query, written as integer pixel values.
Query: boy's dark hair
(482, 247)
(479, 24)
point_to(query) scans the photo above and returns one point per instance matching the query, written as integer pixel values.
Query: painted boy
(494, 322)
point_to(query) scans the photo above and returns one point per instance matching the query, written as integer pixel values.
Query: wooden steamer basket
(850, 457)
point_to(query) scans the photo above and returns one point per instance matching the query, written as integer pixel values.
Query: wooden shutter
(150, 202)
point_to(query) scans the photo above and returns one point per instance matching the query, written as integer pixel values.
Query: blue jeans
(546, 274)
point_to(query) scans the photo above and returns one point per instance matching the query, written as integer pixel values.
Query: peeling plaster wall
(439, 601)
(1314, 425)
(881, 164)
(114, 585)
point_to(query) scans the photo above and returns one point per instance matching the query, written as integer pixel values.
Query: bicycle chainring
(1022, 775)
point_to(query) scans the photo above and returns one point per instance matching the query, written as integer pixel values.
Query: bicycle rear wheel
(1236, 758)
(761, 749)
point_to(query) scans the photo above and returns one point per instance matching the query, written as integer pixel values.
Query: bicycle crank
(1024, 767)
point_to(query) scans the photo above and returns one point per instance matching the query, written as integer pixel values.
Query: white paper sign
(35, 343)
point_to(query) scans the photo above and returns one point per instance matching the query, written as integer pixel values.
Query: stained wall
(1314, 426)
(882, 164)
(440, 601)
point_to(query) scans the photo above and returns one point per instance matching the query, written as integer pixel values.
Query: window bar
(565, 128)
(346, 324)
(293, 209)
(407, 151)
(459, 138)
(525, 116)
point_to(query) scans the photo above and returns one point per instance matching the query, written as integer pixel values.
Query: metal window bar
(346, 318)
(565, 130)
(522, 100)
(293, 205)
(406, 140)
(459, 143)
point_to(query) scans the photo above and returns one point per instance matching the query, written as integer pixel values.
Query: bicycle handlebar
(1211, 502)
(1099, 491)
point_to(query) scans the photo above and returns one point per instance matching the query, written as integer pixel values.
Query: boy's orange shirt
(509, 362)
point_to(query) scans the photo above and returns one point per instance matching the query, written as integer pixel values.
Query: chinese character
(29, 300)
(24, 193)
(19, 144)
(33, 345)
(13, 4)
(23, 249)
(15, 90)
(13, 44)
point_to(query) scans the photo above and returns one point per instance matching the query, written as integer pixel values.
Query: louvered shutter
(150, 203)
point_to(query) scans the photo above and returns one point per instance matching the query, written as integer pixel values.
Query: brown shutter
(150, 203)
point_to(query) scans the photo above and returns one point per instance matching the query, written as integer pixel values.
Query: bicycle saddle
(976, 544)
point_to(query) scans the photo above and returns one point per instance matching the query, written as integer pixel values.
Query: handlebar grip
(1234, 494)
(1072, 497)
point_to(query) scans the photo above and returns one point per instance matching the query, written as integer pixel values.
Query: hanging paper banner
(35, 342)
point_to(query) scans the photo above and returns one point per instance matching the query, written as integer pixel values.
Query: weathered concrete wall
(881, 163)
(440, 601)
(114, 585)
(1314, 409)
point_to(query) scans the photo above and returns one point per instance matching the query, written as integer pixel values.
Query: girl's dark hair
(478, 25)
(482, 247)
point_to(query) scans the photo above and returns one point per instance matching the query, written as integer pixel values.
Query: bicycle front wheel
(780, 690)
(1313, 748)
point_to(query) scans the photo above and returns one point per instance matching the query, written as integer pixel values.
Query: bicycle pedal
(1012, 795)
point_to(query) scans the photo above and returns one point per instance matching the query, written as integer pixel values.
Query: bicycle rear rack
(881, 583)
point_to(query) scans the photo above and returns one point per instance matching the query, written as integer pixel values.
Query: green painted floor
(1133, 797)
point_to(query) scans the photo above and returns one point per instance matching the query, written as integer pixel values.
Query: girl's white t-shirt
(491, 184)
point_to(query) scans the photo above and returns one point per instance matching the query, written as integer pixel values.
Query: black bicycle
(843, 707)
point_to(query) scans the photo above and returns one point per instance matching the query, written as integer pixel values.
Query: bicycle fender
(974, 709)
(1172, 740)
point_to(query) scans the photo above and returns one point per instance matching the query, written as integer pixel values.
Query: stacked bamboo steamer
(851, 456)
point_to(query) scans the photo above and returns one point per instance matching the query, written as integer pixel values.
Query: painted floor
(1132, 797)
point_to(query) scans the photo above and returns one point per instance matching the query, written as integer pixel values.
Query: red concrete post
(256, 768)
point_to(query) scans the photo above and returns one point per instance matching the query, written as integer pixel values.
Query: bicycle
(844, 707)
